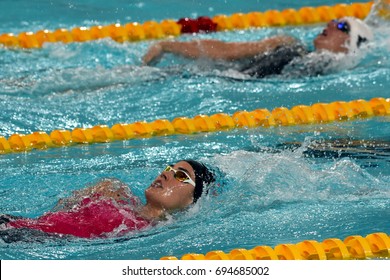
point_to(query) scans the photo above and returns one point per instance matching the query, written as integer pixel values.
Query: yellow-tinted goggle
(180, 175)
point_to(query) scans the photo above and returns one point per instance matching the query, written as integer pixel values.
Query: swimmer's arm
(214, 49)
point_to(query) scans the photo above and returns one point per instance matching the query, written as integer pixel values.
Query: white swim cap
(359, 33)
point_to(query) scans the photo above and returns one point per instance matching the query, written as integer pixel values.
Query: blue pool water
(280, 186)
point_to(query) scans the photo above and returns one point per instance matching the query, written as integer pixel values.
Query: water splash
(380, 12)
(289, 176)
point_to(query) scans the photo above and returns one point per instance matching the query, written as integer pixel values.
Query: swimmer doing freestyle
(109, 206)
(269, 56)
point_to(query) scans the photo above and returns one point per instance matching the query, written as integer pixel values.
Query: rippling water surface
(278, 185)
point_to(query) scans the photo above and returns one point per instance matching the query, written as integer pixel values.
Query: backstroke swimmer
(110, 209)
(275, 55)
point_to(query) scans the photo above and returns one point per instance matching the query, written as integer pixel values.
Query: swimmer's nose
(164, 176)
(168, 176)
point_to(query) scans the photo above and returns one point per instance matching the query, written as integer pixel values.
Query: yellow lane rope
(134, 31)
(374, 245)
(281, 116)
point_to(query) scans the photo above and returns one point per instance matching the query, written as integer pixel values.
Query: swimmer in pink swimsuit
(110, 209)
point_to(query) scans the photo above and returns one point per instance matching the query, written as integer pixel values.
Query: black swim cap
(203, 177)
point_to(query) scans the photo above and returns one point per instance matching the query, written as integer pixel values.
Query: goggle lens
(180, 175)
(343, 26)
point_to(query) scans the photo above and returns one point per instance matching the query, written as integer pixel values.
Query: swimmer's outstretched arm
(214, 49)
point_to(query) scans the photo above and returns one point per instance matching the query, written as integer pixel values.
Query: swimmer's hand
(153, 55)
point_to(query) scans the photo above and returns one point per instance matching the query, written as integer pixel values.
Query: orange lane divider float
(373, 246)
(134, 31)
(298, 115)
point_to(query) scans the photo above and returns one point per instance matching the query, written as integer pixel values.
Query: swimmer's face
(169, 193)
(332, 39)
